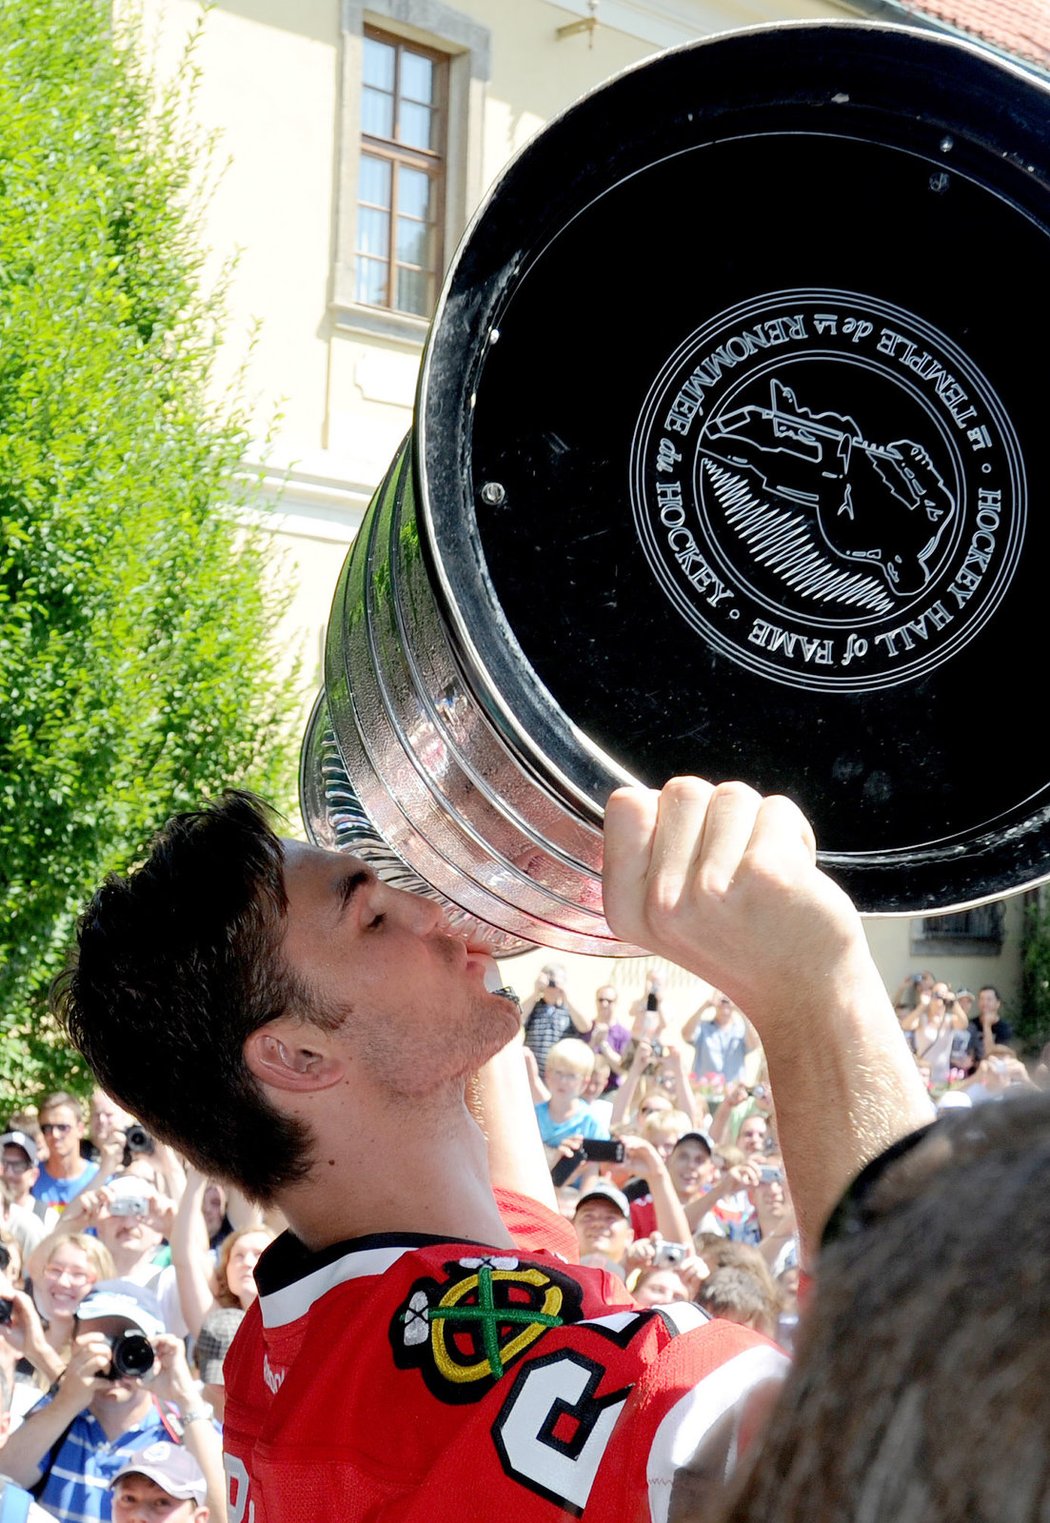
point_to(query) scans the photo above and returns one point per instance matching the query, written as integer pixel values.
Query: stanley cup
(726, 459)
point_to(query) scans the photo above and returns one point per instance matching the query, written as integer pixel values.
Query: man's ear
(292, 1055)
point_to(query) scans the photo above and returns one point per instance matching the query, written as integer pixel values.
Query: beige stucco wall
(334, 402)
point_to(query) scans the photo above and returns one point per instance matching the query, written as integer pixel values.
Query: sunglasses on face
(56, 1128)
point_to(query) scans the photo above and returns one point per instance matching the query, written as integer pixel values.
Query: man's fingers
(781, 824)
(678, 840)
(630, 822)
(728, 827)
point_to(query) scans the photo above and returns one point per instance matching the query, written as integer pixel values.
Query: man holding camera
(422, 1344)
(127, 1385)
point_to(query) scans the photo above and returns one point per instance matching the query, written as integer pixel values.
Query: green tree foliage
(136, 659)
(1033, 1021)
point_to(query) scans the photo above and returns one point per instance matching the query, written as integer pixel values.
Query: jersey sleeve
(535, 1228)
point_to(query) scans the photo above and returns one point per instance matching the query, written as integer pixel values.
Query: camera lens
(132, 1355)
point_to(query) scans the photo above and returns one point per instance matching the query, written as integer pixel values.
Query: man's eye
(376, 922)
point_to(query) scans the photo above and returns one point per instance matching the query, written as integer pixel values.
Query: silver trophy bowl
(758, 502)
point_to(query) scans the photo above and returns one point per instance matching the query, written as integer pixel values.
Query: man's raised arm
(725, 883)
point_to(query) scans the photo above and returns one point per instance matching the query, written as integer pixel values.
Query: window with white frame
(398, 258)
(414, 73)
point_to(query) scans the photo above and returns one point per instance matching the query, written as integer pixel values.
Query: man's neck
(417, 1165)
(65, 1168)
(132, 1263)
(116, 1419)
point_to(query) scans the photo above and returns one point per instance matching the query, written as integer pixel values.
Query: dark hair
(177, 964)
(919, 1386)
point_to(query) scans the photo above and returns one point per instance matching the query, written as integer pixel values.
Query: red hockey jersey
(409, 1380)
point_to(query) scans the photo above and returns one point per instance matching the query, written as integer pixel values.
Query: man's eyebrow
(348, 885)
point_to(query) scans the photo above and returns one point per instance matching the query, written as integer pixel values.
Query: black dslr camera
(136, 1141)
(132, 1355)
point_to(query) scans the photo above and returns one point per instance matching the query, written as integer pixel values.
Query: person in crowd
(608, 1036)
(725, 1206)
(692, 1172)
(648, 1017)
(997, 1076)
(161, 1483)
(27, 1121)
(594, 1091)
(213, 1299)
(16, 1503)
(65, 1268)
(660, 1285)
(721, 1037)
(71, 1446)
(739, 1105)
(932, 1028)
(658, 1131)
(651, 1074)
(548, 1016)
(65, 1173)
(132, 1220)
(108, 1123)
(216, 1219)
(20, 1212)
(987, 1026)
(602, 1223)
(324, 1026)
(654, 1205)
(754, 1137)
(907, 1404)
(566, 1118)
(774, 1217)
(737, 1296)
(205, 1285)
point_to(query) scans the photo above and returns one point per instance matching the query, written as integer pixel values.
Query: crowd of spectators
(124, 1274)
(698, 1207)
(661, 1139)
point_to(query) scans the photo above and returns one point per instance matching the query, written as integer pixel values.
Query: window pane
(413, 242)
(416, 125)
(371, 282)
(377, 113)
(413, 193)
(417, 77)
(375, 180)
(373, 235)
(378, 67)
(412, 292)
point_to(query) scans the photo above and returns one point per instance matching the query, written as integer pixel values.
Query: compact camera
(129, 1205)
(669, 1255)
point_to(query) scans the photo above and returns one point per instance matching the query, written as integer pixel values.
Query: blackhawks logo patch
(463, 1332)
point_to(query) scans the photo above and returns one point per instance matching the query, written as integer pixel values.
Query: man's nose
(424, 916)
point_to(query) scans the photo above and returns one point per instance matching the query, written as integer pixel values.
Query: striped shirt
(77, 1488)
